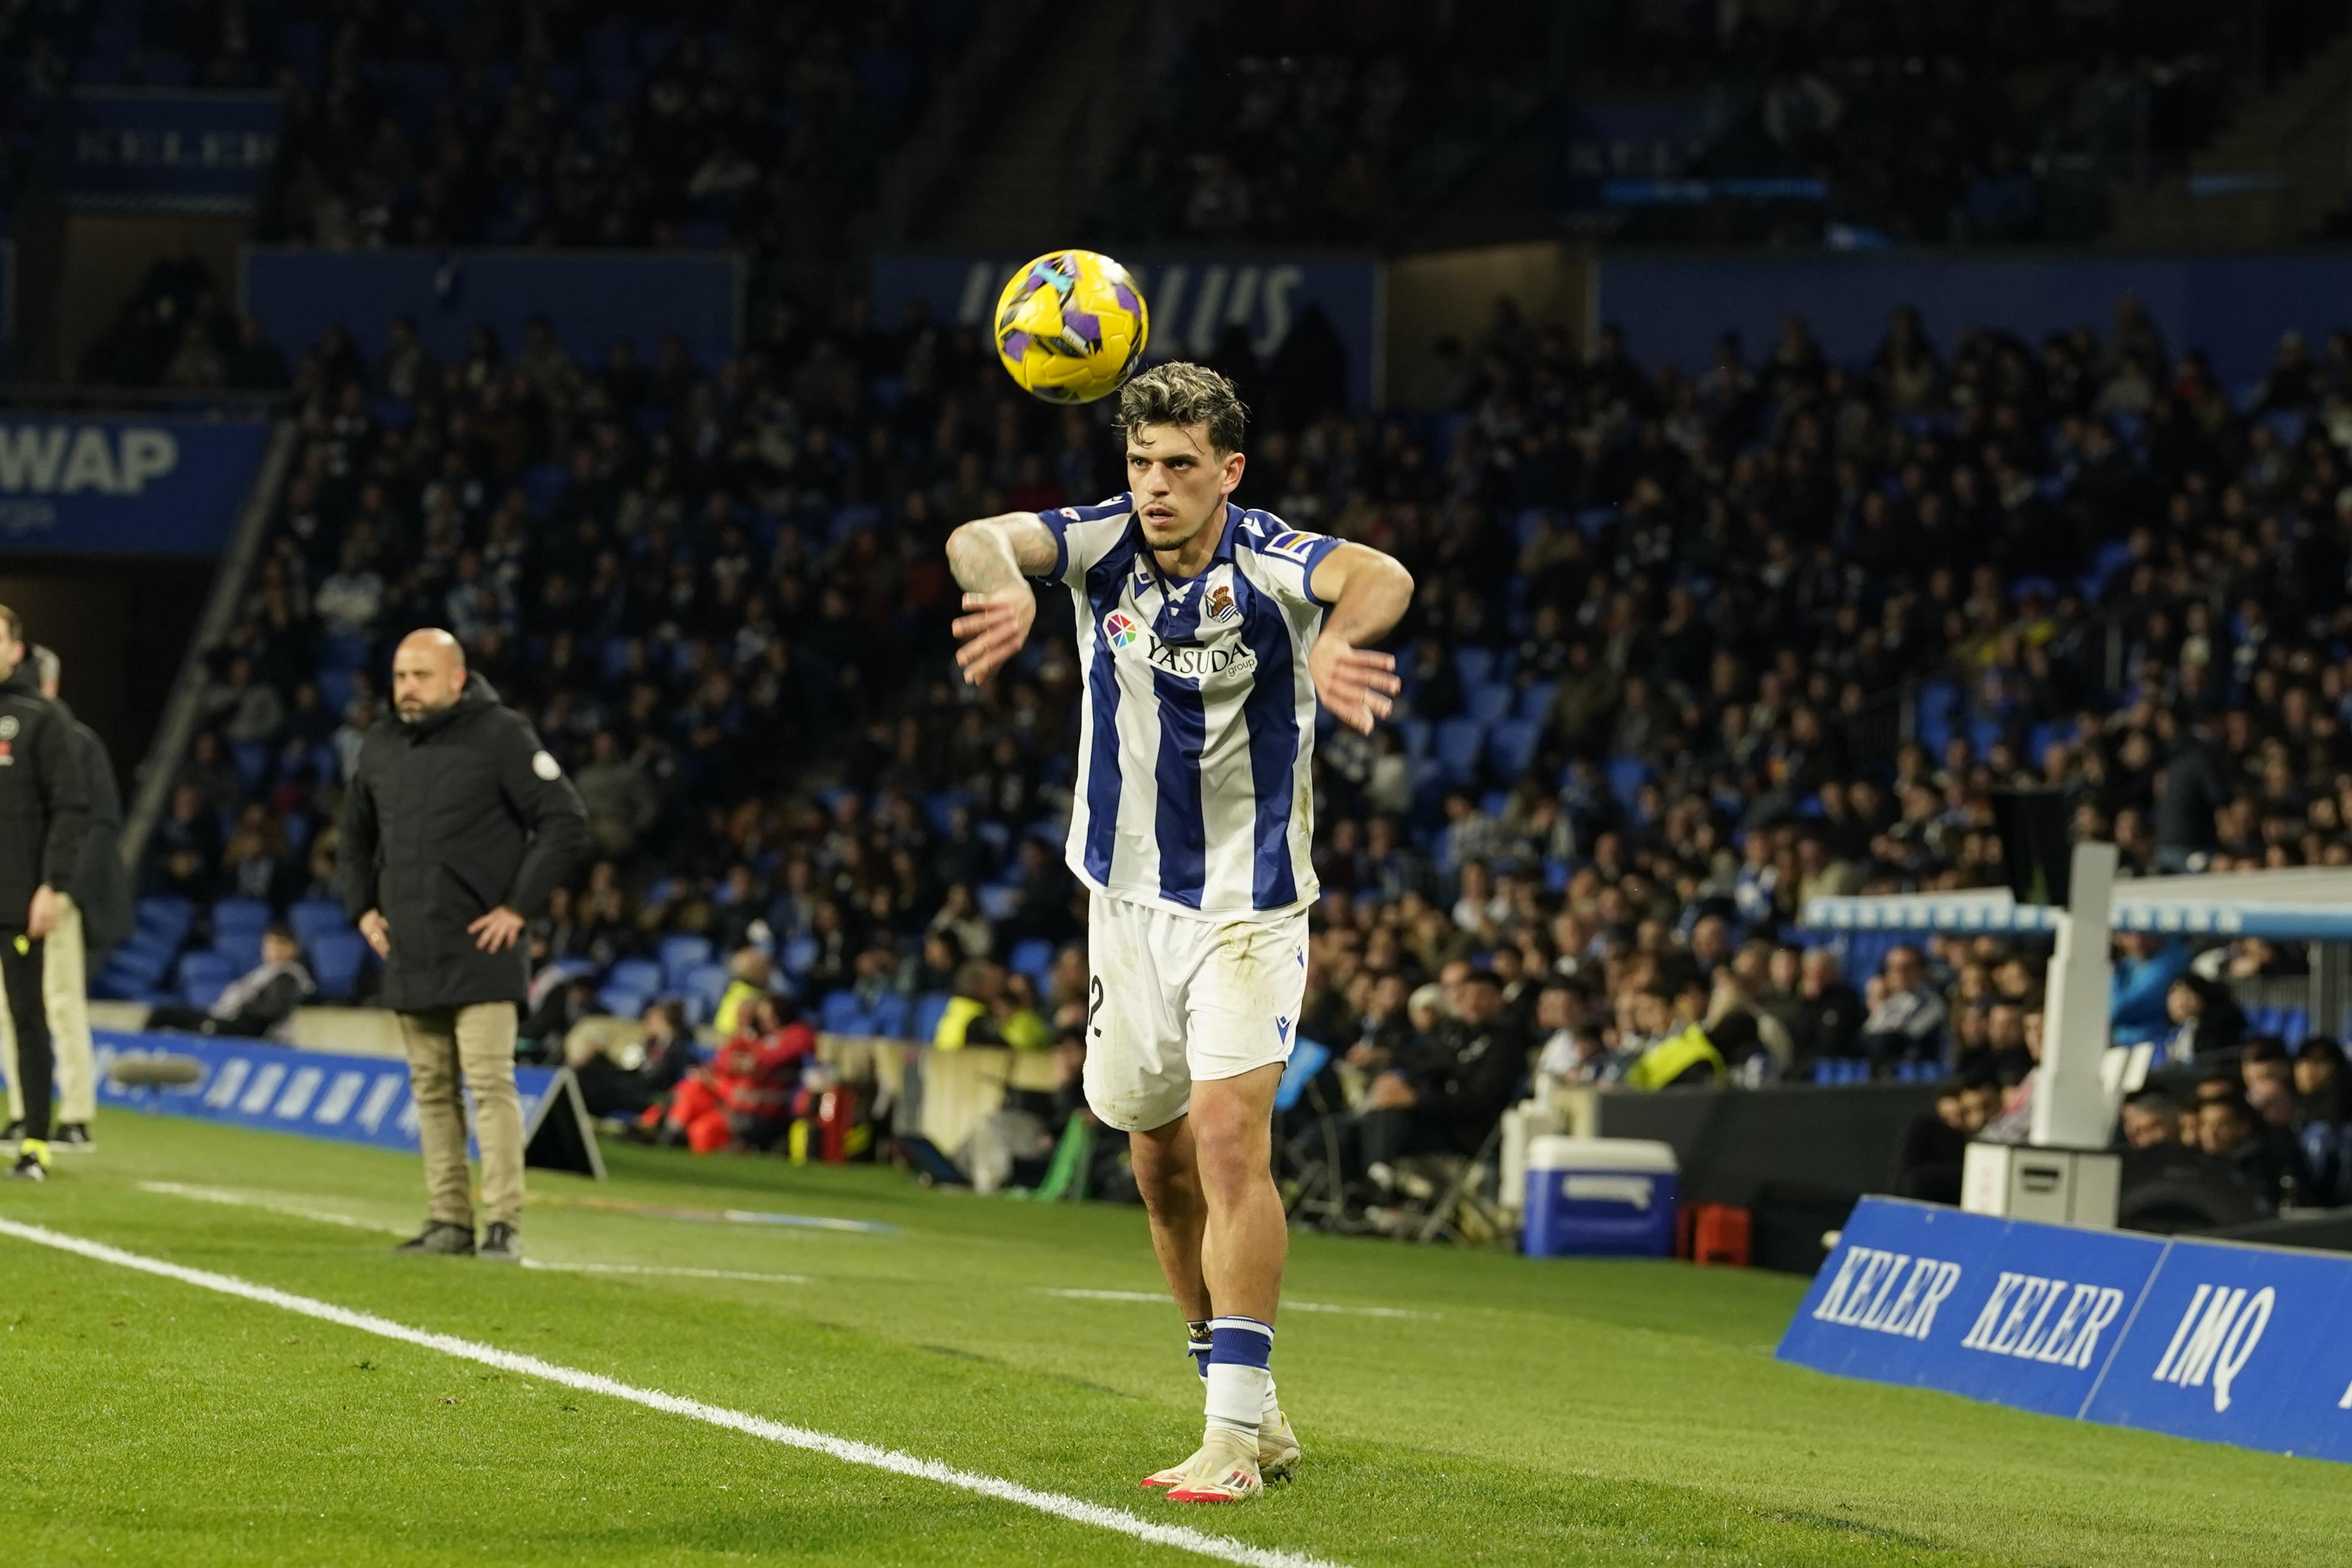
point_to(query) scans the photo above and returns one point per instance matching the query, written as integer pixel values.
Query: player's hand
(1357, 684)
(991, 630)
(41, 917)
(378, 932)
(496, 931)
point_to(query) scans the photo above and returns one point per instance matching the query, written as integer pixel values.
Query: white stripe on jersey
(1198, 730)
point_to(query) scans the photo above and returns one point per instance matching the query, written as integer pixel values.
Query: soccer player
(1207, 633)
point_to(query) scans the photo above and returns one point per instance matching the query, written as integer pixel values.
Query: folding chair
(1462, 1212)
(1320, 1196)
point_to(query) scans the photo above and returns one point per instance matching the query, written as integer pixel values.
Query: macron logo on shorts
(1282, 1030)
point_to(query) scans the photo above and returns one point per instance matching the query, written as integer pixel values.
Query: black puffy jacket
(43, 802)
(446, 819)
(102, 882)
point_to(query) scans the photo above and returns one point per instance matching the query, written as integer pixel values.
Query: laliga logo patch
(1120, 630)
(1220, 606)
(545, 765)
(7, 726)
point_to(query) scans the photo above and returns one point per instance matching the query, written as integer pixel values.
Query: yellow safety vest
(1671, 1057)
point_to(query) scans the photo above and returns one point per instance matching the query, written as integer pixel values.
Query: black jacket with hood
(446, 819)
(43, 800)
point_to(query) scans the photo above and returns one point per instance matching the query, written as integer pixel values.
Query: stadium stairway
(1028, 184)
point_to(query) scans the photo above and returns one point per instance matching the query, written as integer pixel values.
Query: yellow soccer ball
(1070, 326)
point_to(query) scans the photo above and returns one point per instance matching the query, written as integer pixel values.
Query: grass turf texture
(1545, 1413)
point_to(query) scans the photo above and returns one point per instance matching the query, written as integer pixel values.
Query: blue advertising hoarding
(1193, 298)
(194, 151)
(140, 485)
(2199, 1339)
(589, 298)
(2233, 307)
(321, 1094)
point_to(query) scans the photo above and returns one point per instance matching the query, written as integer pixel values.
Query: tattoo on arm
(997, 552)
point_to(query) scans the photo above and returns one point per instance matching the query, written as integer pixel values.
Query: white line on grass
(1077, 1510)
(231, 1199)
(1160, 1298)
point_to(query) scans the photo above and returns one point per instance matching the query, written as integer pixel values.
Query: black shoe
(441, 1236)
(32, 1165)
(73, 1138)
(501, 1243)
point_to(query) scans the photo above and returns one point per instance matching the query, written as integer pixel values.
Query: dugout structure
(2074, 1104)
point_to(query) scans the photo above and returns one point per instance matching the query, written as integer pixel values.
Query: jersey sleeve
(1084, 535)
(1286, 558)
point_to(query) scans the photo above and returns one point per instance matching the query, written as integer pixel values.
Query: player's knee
(1231, 1149)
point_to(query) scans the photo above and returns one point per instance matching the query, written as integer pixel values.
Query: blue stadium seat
(310, 918)
(240, 949)
(930, 1007)
(337, 957)
(998, 900)
(800, 955)
(890, 1014)
(681, 954)
(707, 981)
(1459, 742)
(252, 760)
(1416, 735)
(1489, 702)
(197, 968)
(1474, 665)
(1033, 958)
(842, 1014)
(1536, 699)
(1626, 777)
(166, 915)
(240, 915)
(636, 974)
(1511, 746)
(623, 1002)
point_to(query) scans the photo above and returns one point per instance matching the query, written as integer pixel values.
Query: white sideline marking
(1158, 1299)
(1076, 1509)
(231, 1199)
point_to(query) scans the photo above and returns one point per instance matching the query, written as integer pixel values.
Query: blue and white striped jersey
(1193, 792)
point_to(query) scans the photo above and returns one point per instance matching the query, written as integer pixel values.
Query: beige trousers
(64, 992)
(472, 1046)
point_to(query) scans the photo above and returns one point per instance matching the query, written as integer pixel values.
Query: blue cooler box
(1591, 1197)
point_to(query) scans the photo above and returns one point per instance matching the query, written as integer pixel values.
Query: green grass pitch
(1490, 1410)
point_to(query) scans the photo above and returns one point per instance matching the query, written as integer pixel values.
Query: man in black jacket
(456, 827)
(91, 919)
(1449, 1097)
(44, 816)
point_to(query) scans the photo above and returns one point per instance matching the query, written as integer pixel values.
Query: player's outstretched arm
(991, 558)
(1369, 592)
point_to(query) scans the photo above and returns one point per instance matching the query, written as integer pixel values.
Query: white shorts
(1178, 998)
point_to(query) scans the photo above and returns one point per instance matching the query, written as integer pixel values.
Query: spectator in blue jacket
(2145, 967)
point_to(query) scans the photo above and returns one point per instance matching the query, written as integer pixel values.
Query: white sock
(1240, 1387)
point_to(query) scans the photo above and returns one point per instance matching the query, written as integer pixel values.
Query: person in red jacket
(742, 1098)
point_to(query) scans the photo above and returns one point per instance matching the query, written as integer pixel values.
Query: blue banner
(590, 297)
(191, 150)
(1193, 298)
(140, 485)
(2199, 1338)
(277, 1089)
(2233, 307)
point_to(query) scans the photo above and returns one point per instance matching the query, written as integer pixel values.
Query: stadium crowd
(1687, 652)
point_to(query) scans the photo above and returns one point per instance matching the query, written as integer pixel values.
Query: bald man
(456, 827)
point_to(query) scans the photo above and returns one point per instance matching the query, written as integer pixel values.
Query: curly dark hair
(1182, 393)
